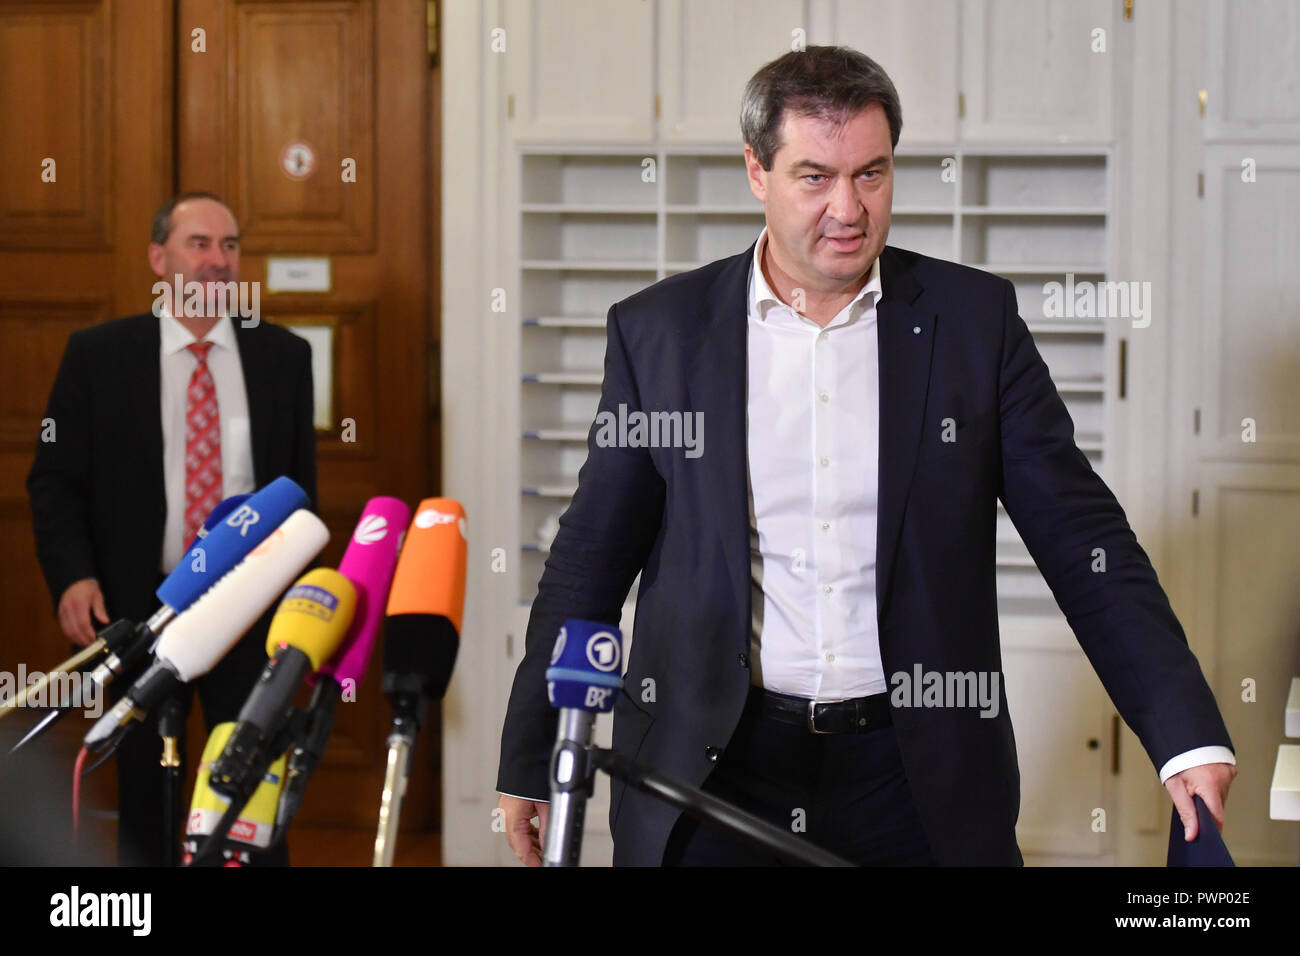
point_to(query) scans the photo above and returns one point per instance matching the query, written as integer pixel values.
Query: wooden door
(312, 120)
(111, 107)
(86, 157)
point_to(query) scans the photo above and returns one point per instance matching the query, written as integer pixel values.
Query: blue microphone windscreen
(586, 666)
(209, 559)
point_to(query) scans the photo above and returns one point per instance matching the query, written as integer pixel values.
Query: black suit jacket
(951, 345)
(98, 504)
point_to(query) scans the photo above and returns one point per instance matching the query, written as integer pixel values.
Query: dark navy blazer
(952, 346)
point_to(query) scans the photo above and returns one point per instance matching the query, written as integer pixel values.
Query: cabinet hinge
(510, 645)
(1201, 97)
(1123, 368)
(1196, 501)
(659, 106)
(961, 105)
(1200, 185)
(1114, 744)
(431, 30)
(510, 106)
(1196, 421)
(1128, 9)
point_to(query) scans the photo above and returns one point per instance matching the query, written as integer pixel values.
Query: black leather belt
(859, 715)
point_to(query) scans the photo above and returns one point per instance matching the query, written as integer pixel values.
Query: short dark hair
(162, 219)
(833, 83)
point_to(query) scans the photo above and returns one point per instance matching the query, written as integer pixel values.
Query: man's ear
(157, 260)
(756, 175)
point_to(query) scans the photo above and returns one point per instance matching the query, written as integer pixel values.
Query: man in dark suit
(865, 408)
(157, 417)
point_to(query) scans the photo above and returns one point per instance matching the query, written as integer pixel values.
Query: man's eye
(814, 176)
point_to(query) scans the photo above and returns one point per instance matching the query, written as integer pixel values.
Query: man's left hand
(1211, 781)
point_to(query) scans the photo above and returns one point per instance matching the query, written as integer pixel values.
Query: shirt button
(830, 658)
(825, 397)
(744, 660)
(825, 462)
(822, 337)
(828, 589)
(826, 526)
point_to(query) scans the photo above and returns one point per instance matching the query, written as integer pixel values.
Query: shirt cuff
(1196, 758)
(517, 797)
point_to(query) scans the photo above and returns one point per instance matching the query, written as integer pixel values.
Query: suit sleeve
(1103, 581)
(304, 419)
(603, 540)
(59, 483)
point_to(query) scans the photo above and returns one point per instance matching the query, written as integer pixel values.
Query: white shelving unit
(597, 225)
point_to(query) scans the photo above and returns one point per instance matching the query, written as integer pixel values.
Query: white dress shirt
(813, 448)
(177, 365)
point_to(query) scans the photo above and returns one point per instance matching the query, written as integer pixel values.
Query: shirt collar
(175, 337)
(762, 299)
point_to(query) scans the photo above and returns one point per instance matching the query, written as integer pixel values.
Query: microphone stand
(576, 785)
(171, 727)
(572, 779)
(407, 718)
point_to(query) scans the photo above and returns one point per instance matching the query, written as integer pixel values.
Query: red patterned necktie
(202, 444)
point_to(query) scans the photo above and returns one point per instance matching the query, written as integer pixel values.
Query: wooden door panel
(87, 85)
(316, 73)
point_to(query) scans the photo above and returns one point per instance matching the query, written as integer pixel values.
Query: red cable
(76, 789)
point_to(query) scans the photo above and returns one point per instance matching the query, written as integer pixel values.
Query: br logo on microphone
(370, 529)
(586, 666)
(243, 517)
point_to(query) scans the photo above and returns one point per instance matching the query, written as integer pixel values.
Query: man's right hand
(525, 839)
(81, 599)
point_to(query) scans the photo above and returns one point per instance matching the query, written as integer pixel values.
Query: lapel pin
(916, 330)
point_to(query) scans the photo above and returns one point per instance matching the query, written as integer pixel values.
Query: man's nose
(218, 258)
(844, 206)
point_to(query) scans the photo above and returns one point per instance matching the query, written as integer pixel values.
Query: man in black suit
(865, 408)
(157, 417)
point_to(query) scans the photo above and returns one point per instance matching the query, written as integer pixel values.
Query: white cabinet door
(579, 71)
(1252, 75)
(1038, 70)
(1247, 606)
(916, 43)
(1251, 336)
(707, 53)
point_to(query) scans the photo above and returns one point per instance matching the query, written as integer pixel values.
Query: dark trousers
(846, 793)
(222, 692)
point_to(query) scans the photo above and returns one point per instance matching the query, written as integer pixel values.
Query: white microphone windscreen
(206, 631)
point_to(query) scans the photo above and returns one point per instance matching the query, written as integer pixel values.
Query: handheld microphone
(307, 628)
(583, 680)
(112, 638)
(235, 527)
(252, 829)
(206, 631)
(368, 563)
(421, 637)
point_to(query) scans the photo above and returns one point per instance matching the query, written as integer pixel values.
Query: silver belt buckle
(812, 720)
